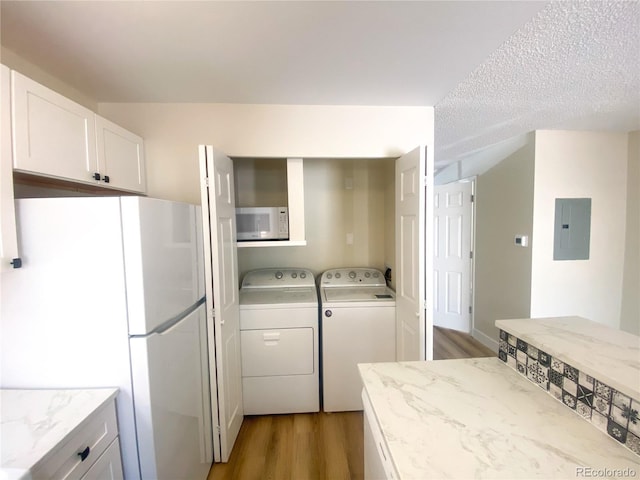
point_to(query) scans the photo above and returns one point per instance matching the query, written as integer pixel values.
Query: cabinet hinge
(471, 255)
(213, 313)
(473, 197)
(470, 309)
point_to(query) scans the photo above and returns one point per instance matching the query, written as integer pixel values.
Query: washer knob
(367, 274)
(294, 275)
(376, 274)
(329, 276)
(338, 275)
(328, 313)
(279, 275)
(352, 274)
(303, 275)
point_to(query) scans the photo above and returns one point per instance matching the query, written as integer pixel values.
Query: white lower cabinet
(377, 460)
(108, 466)
(92, 452)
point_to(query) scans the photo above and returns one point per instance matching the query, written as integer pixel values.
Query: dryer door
(287, 351)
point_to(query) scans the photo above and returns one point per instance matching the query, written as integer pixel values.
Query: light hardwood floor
(318, 446)
(297, 447)
(449, 344)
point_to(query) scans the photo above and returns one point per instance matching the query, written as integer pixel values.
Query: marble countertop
(478, 418)
(598, 350)
(33, 422)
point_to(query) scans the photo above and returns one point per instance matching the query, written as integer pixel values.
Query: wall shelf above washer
(274, 243)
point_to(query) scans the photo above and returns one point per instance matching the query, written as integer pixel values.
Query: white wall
(172, 133)
(575, 165)
(630, 315)
(504, 208)
(15, 62)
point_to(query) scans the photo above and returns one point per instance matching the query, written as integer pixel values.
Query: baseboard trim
(486, 340)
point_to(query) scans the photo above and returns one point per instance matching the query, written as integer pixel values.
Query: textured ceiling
(574, 66)
(494, 70)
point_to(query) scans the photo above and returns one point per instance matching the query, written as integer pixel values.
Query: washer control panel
(278, 278)
(341, 277)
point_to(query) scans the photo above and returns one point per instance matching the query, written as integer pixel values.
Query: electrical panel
(572, 230)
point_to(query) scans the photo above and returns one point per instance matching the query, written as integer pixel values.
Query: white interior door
(452, 256)
(414, 175)
(223, 313)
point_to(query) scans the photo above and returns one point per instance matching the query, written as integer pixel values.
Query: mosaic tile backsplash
(607, 409)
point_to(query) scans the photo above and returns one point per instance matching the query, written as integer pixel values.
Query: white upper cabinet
(56, 137)
(52, 135)
(120, 156)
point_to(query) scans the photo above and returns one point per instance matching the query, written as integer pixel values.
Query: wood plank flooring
(297, 447)
(449, 344)
(317, 446)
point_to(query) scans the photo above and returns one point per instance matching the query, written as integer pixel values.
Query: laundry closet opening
(349, 211)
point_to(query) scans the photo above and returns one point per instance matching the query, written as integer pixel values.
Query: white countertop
(33, 422)
(478, 418)
(610, 355)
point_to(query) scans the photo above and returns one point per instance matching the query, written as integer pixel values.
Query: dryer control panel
(278, 278)
(341, 277)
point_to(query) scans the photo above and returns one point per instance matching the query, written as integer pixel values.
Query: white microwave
(262, 223)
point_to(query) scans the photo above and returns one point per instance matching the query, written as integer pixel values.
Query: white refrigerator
(111, 293)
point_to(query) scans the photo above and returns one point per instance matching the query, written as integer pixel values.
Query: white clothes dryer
(279, 341)
(358, 323)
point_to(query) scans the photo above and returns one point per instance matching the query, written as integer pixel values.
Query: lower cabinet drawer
(108, 466)
(73, 459)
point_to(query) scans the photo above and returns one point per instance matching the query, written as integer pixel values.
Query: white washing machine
(279, 341)
(358, 323)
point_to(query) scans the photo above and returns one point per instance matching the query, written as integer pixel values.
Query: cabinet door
(120, 157)
(52, 135)
(8, 236)
(378, 464)
(108, 466)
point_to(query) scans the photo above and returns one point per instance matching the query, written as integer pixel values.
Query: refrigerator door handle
(172, 322)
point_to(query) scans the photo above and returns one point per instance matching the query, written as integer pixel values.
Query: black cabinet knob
(16, 262)
(106, 179)
(96, 176)
(84, 454)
